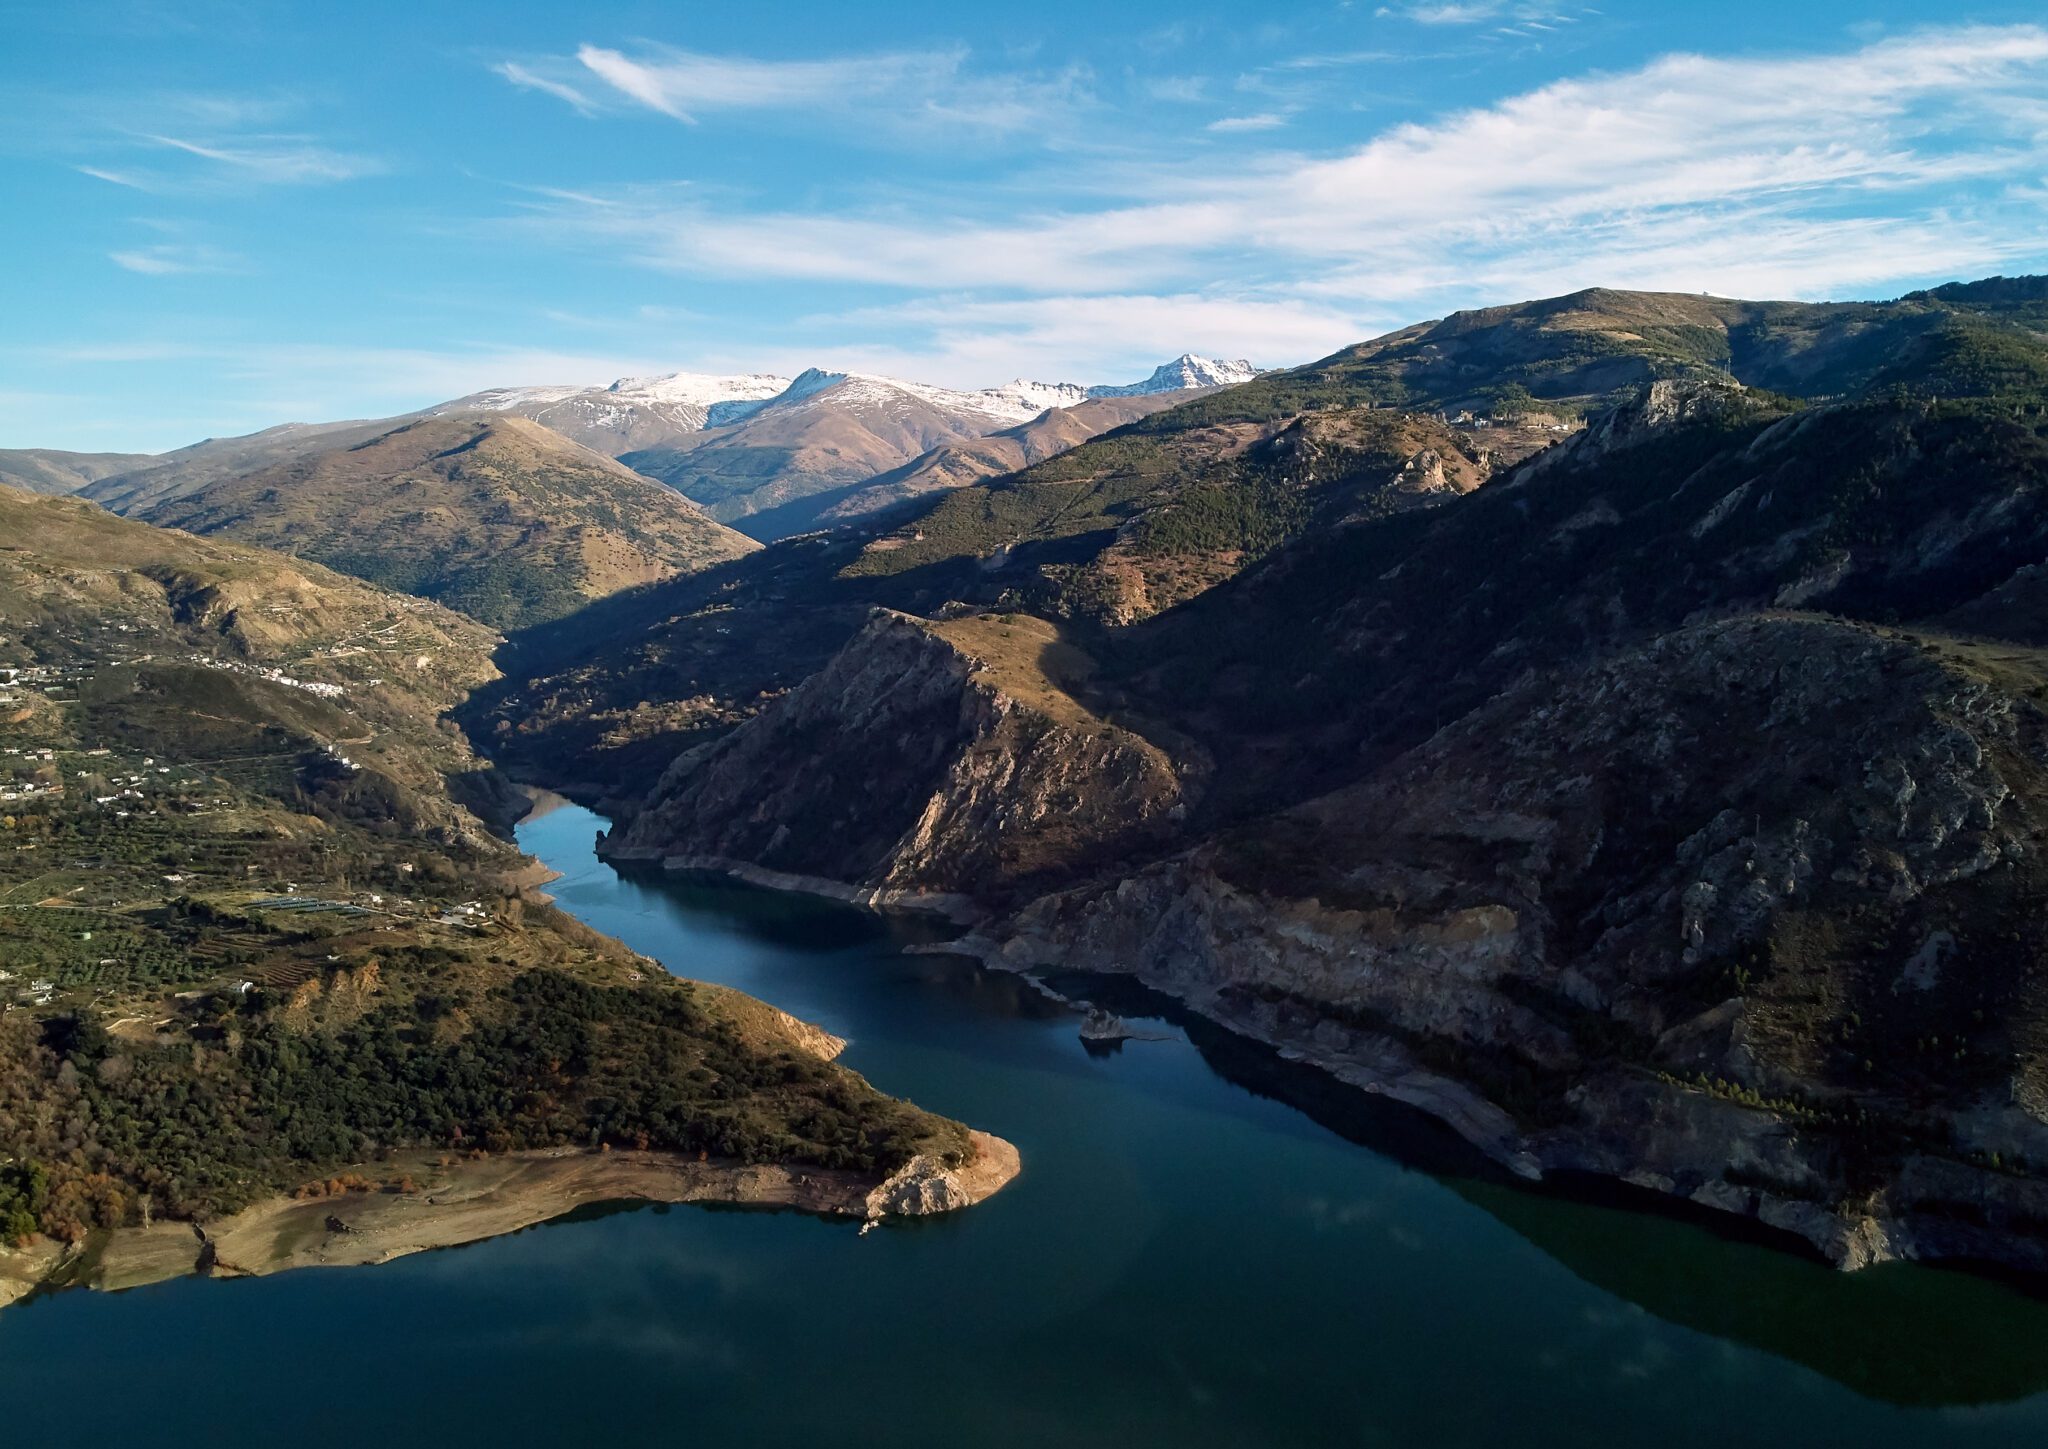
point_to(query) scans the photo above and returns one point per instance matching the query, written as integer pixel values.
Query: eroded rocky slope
(926, 760)
(1666, 806)
(1741, 916)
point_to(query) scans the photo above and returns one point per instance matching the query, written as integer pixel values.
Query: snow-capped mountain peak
(1186, 370)
(861, 391)
(633, 412)
(1041, 395)
(636, 413)
(699, 389)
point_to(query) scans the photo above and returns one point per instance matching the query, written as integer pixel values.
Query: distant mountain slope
(653, 418)
(77, 583)
(954, 465)
(830, 430)
(1135, 521)
(1568, 355)
(633, 413)
(51, 470)
(869, 425)
(491, 514)
(214, 460)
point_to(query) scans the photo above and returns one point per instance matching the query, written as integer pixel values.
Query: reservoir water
(1186, 1260)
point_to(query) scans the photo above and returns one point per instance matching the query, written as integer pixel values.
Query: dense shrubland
(279, 1088)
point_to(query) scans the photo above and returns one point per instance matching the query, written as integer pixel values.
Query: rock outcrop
(925, 1185)
(924, 759)
(471, 1199)
(1657, 408)
(1690, 918)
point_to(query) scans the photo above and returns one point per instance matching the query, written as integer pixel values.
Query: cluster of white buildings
(37, 993)
(267, 672)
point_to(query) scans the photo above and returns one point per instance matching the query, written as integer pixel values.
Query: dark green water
(1185, 1261)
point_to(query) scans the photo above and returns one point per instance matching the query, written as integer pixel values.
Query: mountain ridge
(491, 512)
(1653, 798)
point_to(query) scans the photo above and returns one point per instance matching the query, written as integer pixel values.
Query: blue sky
(222, 216)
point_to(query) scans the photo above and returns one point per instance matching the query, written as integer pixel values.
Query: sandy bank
(468, 1201)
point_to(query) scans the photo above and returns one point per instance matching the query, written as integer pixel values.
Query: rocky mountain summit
(631, 413)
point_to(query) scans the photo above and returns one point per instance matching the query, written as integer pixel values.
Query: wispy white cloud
(1264, 121)
(1342, 59)
(520, 76)
(171, 259)
(117, 178)
(1471, 13)
(679, 82)
(1896, 129)
(273, 160)
(165, 143)
(258, 383)
(1180, 88)
(1530, 13)
(900, 92)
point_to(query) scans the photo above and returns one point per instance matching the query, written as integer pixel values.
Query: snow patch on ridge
(694, 400)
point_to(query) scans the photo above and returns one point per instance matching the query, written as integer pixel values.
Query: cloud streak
(174, 259)
(902, 93)
(1231, 125)
(273, 160)
(1668, 174)
(680, 83)
(525, 79)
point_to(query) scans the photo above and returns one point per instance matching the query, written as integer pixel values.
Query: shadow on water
(1909, 1335)
(1901, 1333)
(819, 924)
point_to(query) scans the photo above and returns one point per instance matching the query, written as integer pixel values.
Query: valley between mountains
(1615, 725)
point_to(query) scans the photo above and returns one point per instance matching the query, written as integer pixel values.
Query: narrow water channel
(1186, 1260)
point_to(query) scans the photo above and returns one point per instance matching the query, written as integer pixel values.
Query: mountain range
(1615, 724)
(828, 431)
(757, 444)
(511, 505)
(641, 412)
(512, 502)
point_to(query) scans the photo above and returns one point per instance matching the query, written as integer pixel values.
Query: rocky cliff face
(1737, 916)
(1537, 806)
(1650, 415)
(924, 759)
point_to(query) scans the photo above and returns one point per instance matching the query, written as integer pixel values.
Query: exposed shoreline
(470, 1200)
(959, 909)
(1848, 1241)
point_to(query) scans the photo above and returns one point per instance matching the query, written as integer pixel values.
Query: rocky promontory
(418, 1201)
(934, 760)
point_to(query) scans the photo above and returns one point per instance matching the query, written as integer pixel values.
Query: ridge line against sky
(254, 213)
